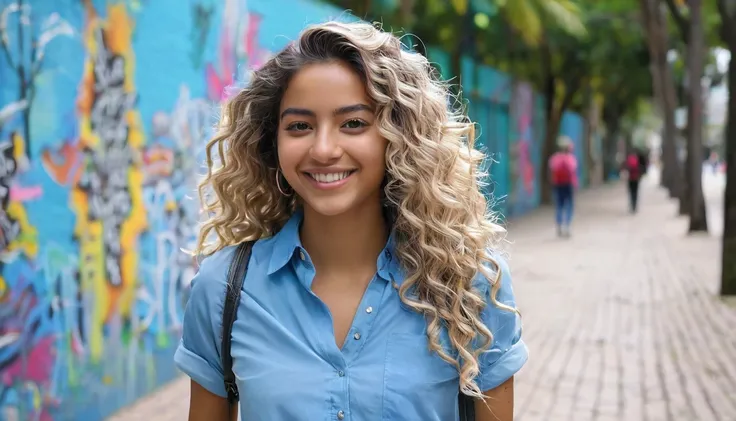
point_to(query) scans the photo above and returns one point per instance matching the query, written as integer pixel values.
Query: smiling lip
(328, 180)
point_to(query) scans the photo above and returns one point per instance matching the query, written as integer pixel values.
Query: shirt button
(356, 336)
(340, 415)
(341, 373)
(301, 255)
(369, 310)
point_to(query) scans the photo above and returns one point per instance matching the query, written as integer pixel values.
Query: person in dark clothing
(635, 165)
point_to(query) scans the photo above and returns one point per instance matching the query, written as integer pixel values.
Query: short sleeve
(198, 354)
(508, 353)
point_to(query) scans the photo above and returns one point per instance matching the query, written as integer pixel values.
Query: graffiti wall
(105, 107)
(525, 150)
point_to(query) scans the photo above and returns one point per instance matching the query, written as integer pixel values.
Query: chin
(329, 207)
(329, 210)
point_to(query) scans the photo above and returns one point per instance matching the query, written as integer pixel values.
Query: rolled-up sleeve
(198, 354)
(508, 353)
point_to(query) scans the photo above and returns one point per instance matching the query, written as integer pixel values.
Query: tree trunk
(610, 146)
(467, 48)
(728, 271)
(656, 30)
(550, 145)
(683, 192)
(552, 127)
(696, 57)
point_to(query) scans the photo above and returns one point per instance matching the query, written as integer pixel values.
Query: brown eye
(354, 124)
(297, 126)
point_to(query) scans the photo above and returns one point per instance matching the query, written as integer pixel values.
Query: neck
(345, 242)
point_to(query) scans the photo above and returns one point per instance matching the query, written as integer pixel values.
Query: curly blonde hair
(443, 227)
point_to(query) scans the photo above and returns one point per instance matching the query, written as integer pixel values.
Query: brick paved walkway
(622, 320)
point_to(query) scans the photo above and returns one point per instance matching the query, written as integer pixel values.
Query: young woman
(374, 291)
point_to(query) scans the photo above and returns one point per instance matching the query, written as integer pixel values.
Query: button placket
(364, 317)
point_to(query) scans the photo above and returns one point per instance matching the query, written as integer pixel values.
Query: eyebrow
(342, 110)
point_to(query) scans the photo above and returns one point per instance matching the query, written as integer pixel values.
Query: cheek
(286, 153)
(374, 155)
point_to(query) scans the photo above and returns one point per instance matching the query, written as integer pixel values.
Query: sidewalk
(622, 320)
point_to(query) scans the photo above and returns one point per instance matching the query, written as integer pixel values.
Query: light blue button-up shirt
(287, 364)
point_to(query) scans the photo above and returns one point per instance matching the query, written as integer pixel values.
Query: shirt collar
(287, 243)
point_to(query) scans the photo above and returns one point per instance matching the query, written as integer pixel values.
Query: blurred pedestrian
(635, 166)
(563, 166)
(374, 286)
(714, 161)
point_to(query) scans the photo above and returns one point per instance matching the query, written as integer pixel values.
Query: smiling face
(329, 147)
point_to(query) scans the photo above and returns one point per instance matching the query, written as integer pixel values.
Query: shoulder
(207, 289)
(214, 268)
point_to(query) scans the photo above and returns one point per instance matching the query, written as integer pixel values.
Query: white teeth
(330, 178)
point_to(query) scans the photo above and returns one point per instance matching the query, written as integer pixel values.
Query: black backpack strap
(466, 404)
(235, 278)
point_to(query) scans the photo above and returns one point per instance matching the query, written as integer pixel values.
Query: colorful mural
(524, 153)
(105, 107)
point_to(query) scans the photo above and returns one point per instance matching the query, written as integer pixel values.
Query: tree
(727, 11)
(655, 26)
(694, 172)
(625, 84)
(694, 30)
(610, 61)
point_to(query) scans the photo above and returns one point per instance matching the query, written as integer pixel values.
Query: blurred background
(106, 105)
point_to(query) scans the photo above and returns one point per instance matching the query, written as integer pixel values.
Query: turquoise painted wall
(573, 126)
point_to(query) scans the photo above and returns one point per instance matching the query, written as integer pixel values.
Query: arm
(198, 354)
(507, 354)
(206, 406)
(498, 404)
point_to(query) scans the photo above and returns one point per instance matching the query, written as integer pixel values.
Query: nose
(326, 147)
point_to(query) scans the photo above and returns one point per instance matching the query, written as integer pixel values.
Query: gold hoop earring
(278, 183)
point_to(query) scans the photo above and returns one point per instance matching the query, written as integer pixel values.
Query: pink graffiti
(36, 367)
(526, 169)
(22, 194)
(255, 56)
(524, 99)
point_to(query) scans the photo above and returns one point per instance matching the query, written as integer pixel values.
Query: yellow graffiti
(117, 31)
(19, 148)
(27, 239)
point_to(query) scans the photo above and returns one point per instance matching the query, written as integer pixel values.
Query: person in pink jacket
(563, 167)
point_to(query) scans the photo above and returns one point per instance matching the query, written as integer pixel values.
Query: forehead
(325, 87)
